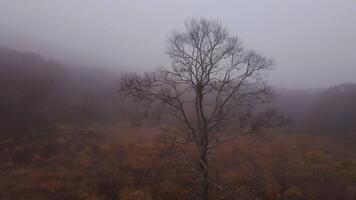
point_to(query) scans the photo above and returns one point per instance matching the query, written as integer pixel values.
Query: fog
(313, 42)
(80, 120)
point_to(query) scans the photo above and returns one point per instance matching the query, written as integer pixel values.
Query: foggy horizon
(313, 42)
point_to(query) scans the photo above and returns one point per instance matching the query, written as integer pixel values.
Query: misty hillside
(330, 110)
(295, 104)
(334, 110)
(38, 91)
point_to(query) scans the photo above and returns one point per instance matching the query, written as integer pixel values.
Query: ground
(111, 162)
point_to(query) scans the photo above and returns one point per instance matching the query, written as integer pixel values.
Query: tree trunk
(204, 187)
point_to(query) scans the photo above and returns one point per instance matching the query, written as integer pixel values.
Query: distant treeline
(36, 91)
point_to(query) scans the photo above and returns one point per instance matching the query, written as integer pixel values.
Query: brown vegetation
(107, 163)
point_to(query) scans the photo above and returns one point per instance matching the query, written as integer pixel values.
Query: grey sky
(313, 41)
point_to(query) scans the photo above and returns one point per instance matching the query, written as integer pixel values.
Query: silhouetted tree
(213, 74)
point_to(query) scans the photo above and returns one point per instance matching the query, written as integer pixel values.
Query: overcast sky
(313, 41)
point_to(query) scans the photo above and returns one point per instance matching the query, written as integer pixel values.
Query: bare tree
(214, 77)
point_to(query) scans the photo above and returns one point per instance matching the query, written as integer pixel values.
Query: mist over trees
(334, 110)
(37, 91)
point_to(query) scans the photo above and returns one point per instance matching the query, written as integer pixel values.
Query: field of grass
(111, 162)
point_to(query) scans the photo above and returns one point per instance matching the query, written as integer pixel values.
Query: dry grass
(120, 162)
